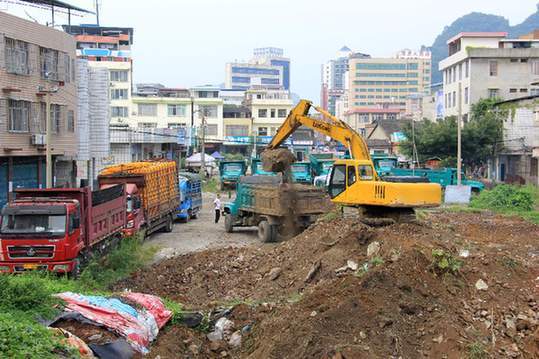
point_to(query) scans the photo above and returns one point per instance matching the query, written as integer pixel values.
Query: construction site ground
(453, 285)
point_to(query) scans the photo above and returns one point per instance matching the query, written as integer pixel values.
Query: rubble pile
(453, 285)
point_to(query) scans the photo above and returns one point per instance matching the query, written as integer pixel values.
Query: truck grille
(30, 251)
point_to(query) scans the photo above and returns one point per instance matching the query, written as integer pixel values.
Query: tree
(482, 136)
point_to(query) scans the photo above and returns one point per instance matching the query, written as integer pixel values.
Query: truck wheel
(169, 226)
(193, 215)
(266, 232)
(229, 225)
(75, 271)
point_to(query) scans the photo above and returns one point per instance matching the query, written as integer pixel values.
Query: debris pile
(455, 284)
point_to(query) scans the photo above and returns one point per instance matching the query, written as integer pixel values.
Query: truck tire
(170, 225)
(76, 270)
(229, 225)
(193, 215)
(266, 232)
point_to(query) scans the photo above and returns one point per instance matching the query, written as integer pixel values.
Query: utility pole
(202, 152)
(192, 124)
(459, 137)
(48, 129)
(97, 11)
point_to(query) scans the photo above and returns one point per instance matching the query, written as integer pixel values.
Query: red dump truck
(152, 193)
(58, 229)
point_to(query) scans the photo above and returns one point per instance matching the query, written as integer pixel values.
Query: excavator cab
(346, 173)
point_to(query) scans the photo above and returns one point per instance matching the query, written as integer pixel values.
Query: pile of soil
(320, 295)
(277, 160)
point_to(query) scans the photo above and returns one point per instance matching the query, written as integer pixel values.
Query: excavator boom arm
(336, 129)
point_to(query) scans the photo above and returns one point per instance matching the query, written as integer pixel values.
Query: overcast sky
(183, 43)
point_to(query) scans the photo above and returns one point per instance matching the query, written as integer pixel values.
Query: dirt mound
(405, 290)
(277, 160)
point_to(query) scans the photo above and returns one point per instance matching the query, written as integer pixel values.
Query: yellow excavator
(354, 182)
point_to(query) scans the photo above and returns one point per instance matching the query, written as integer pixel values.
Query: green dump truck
(321, 163)
(273, 207)
(230, 172)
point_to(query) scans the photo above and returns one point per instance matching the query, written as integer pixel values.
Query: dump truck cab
(384, 164)
(230, 172)
(257, 169)
(190, 188)
(301, 172)
(42, 234)
(135, 213)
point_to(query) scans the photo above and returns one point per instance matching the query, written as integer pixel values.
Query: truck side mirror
(76, 222)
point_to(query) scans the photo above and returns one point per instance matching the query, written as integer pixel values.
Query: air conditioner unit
(38, 140)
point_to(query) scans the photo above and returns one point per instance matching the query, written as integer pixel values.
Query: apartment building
(109, 48)
(268, 69)
(388, 82)
(488, 65)
(34, 60)
(268, 110)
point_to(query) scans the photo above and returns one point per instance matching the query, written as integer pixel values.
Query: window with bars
(67, 68)
(493, 67)
(56, 115)
(176, 110)
(70, 121)
(237, 130)
(119, 111)
(535, 67)
(16, 57)
(48, 59)
(18, 116)
(119, 94)
(119, 75)
(209, 111)
(147, 109)
(281, 113)
(262, 113)
(211, 130)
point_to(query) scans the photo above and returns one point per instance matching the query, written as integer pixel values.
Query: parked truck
(321, 163)
(190, 187)
(257, 170)
(387, 165)
(152, 194)
(301, 172)
(266, 203)
(230, 172)
(58, 230)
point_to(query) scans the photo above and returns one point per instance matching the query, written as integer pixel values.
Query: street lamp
(202, 152)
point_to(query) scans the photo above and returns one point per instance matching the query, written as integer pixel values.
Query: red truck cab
(55, 229)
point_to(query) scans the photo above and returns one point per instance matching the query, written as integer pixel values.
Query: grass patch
(211, 185)
(333, 214)
(444, 262)
(476, 350)
(129, 256)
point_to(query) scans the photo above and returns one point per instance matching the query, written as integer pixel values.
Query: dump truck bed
(267, 196)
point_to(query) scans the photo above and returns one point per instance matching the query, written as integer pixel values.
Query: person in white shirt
(217, 204)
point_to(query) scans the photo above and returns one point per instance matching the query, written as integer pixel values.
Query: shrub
(505, 198)
(444, 262)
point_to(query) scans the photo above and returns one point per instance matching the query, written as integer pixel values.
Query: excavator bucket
(277, 160)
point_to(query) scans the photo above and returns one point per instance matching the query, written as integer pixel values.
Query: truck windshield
(299, 169)
(233, 167)
(326, 166)
(33, 223)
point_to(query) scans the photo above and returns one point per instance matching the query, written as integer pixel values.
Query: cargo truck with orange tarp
(152, 193)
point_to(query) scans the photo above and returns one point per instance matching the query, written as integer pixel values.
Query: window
(272, 113)
(56, 115)
(466, 95)
(262, 113)
(209, 111)
(119, 111)
(535, 67)
(466, 69)
(460, 71)
(147, 124)
(119, 75)
(119, 94)
(512, 90)
(523, 90)
(514, 60)
(365, 172)
(523, 60)
(281, 113)
(445, 98)
(211, 130)
(262, 131)
(236, 130)
(67, 69)
(17, 57)
(18, 116)
(147, 109)
(48, 59)
(454, 73)
(351, 176)
(70, 121)
(338, 180)
(176, 126)
(493, 67)
(493, 93)
(177, 110)
(208, 94)
(454, 99)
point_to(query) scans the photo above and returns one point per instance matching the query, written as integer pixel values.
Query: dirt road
(200, 234)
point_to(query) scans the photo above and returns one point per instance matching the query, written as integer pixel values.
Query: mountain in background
(477, 21)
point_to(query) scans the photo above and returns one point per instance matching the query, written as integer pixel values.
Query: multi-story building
(267, 70)
(334, 78)
(35, 60)
(109, 48)
(488, 65)
(237, 121)
(388, 82)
